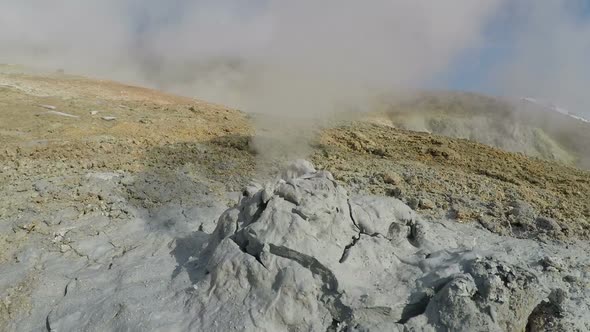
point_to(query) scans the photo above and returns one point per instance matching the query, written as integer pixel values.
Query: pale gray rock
(548, 224)
(297, 254)
(372, 264)
(373, 214)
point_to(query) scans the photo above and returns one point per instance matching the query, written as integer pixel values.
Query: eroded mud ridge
(303, 253)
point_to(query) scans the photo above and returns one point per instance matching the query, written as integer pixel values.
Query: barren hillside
(111, 193)
(511, 125)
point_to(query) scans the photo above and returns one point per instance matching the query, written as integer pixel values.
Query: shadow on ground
(185, 187)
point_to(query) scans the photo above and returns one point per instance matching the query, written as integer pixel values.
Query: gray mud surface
(298, 253)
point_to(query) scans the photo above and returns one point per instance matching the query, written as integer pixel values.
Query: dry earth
(460, 179)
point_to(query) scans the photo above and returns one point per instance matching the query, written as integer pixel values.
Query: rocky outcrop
(301, 254)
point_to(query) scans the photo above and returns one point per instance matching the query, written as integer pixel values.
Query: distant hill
(512, 125)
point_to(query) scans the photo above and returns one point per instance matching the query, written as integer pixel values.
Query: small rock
(459, 214)
(93, 112)
(49, 107)
(521, 214)
(392, 178)
(379, 152)
(64, 248)
(547, 224)
(62, 114)
(444, 152)
(411, 179)
(427, 204)
(413, 203)
(109, 118)
(552, 264)
(395, 192)
(58, 237)
(558, 297)
(27, 227)
(491, 224)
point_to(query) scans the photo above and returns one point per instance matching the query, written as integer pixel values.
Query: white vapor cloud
(291, 57)
(263, 55)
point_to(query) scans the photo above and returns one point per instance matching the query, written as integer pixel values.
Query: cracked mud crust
(286, 270)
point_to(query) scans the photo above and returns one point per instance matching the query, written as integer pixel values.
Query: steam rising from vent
(266, 56)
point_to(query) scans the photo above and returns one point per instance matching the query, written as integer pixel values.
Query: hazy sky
(471, 70)
(533, 48)
(309, 55)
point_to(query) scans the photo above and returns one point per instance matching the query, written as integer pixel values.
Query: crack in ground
(331, 297)
(125, 250)
(351, 215)
(75, 251)
(261, 208)
(361, 229)
(249, 244)
(356, 239)
(345, 253)
(68, 285)
(413, 235)
(418, 307)
(245, 245)
(300, 213)
(48, 325)
(183, 212)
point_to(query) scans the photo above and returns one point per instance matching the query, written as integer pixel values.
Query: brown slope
(458, 178)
